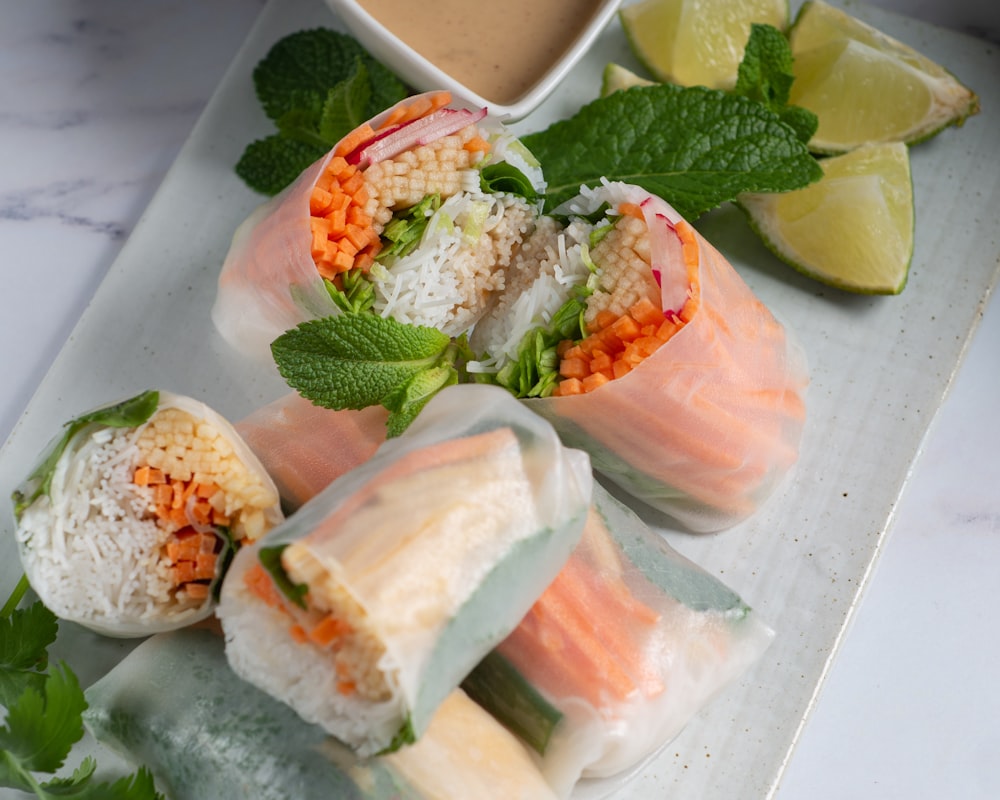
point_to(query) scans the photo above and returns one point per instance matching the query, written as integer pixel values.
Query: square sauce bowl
(507, 57)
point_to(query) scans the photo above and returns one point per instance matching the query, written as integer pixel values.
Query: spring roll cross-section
(375, 600)
(128, 522)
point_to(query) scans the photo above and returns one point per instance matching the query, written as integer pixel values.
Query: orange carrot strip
(354, 140)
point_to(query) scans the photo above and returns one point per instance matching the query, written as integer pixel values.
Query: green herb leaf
(355, 360)
(695, 147)
(765, 75)
(126, 414)
(406, 402)
(311, 62)
(346, 105)
(42, 727)
(504, 177)
(270, 559)
(24, 640)
(269, 165)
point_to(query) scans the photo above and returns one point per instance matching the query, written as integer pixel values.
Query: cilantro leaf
(24, 640)
(42, 727)
(765, 75)
(312, 62)
(695, 147)
(126, 414)
(355, 360)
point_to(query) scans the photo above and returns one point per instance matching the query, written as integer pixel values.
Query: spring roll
(369, 605)
(414, 215)
(628, 643)
(174, 705)
(128, 522)
(640, 343)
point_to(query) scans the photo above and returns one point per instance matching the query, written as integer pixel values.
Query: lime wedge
(616, 77)
(853, 228)
(696, 42)
(867, 87)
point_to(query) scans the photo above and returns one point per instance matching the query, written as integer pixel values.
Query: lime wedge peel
(852, 229)
(696, 42)
(865, 86)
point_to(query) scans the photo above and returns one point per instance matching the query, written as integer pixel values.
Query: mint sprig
(44, 715)
(765, 75)
(316, 86)
(695, 147)
(360, 360)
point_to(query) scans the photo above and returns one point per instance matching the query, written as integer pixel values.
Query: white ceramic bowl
(418, 72)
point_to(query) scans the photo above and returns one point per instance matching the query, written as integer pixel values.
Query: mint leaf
(504, 177)
(126, 414)
(355, 360)
(695, 147)
(311, 62)
(346, 105)
(406, 402)
(765, 75)
(24, 640)
(269, 165)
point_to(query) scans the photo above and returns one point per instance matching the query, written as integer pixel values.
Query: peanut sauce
(499, 50)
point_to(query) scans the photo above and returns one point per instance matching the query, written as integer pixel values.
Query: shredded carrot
(616, 345)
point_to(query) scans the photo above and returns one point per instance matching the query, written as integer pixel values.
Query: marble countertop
(96, 99)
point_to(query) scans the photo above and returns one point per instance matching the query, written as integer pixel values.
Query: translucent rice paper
(269, 282)
(707, 426)
(305, 447)
(104, 580)
(629, 642)
(175, 706)
(437, 596)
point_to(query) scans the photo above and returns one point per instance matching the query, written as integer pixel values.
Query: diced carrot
(260, 584)
(594, 381)
(328, 630)
(354, 140)
(605, 318)
(182, 572)
(477, 144)
(568, 387)
(573, 368)
(204, 565)
(646, 312)
(600, 362)
(631, 210)
(620, 368)
(298, 633)
(626, 328)
(319, 201)
(337, 222)
(196, 591)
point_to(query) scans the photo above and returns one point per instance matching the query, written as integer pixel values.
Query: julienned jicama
(128, 521)
(374, 601)
(414, 215)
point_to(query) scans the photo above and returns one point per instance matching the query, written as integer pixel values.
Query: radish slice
(425, 130)
(668, 269)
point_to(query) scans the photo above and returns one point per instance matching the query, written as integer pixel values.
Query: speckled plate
(880, 369)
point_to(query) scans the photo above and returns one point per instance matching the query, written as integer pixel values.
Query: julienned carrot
(343, 232)
(618, 344)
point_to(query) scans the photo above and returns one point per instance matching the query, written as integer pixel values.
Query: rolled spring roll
(414, 215)
(174, 705)
(128, 521)
(305, 447)
(628, 643)
(682, 386)
(372, 602)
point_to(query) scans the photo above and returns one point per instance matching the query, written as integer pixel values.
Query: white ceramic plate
(880, 368)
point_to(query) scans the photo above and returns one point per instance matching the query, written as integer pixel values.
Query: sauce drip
(499, 50)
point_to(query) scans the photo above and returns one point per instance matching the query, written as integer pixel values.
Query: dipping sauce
(499, 50)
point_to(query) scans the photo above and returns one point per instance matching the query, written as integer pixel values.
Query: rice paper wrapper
(629, 643)
(94, 543)
(269, 282)
(706, 427)
(305, 447)
(431, 552)
(175, 706)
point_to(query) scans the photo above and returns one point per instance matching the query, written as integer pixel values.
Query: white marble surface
(96, 99)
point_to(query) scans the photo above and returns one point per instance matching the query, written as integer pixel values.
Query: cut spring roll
(656, 358)
(174, 705)
(129, 520)
(414, 215)
(372, 603)
(628, 643)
